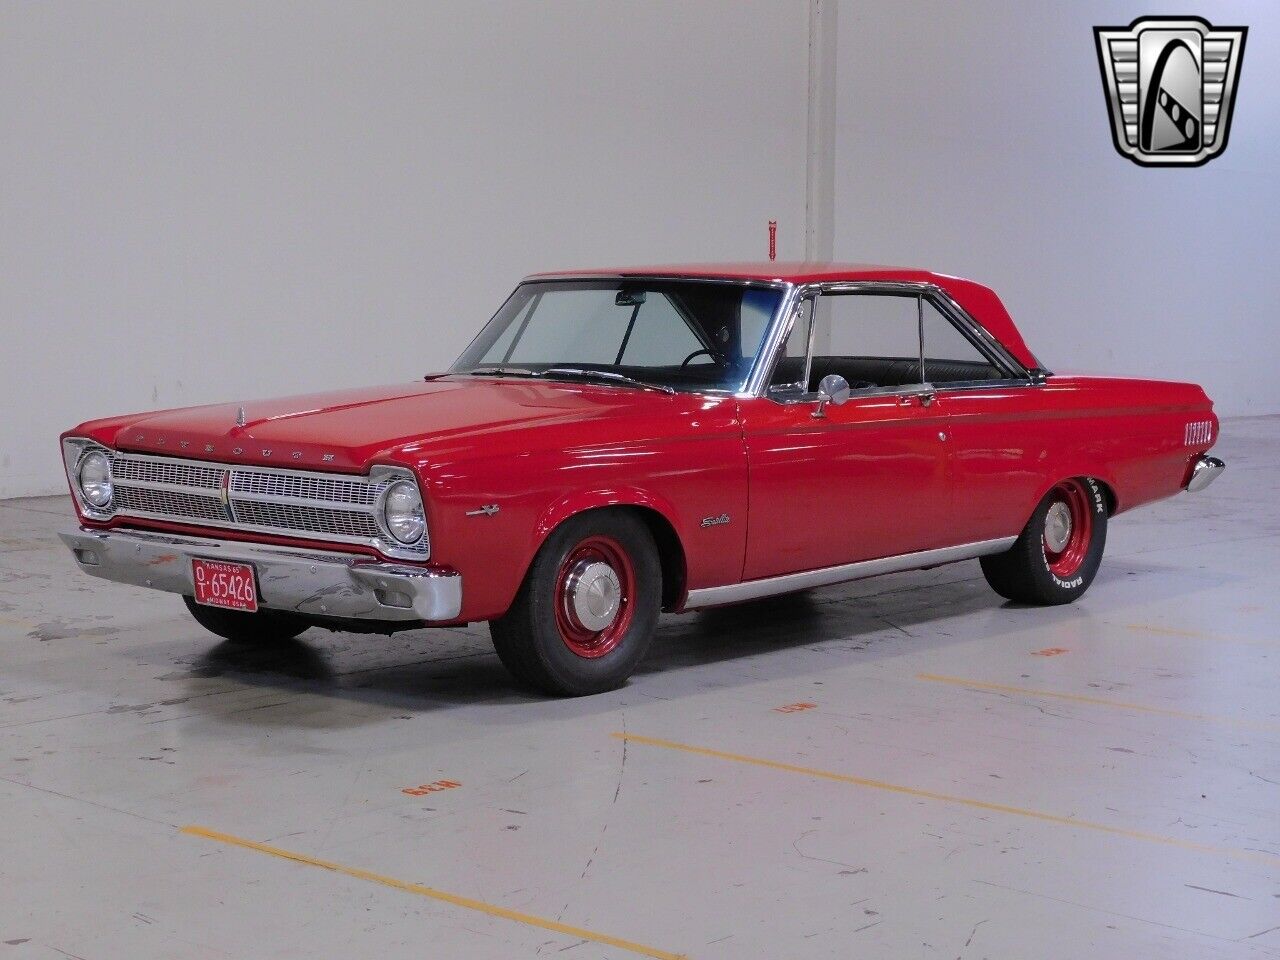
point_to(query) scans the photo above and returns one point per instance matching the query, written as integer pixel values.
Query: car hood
(347, 430)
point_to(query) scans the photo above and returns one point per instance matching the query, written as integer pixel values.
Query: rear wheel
(1058, 553)
(587, 609)
(257, 628)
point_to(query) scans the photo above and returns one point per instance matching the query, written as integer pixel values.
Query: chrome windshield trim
(776, 335)
(751, 384)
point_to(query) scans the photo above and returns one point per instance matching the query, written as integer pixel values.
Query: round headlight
(402, 512)
(95, 479)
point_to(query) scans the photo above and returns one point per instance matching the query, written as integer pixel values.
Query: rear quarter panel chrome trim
(826, 576)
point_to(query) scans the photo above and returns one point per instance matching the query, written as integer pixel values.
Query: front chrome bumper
(301, 581)
(1203, 472)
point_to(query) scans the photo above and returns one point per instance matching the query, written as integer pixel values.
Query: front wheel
(587, 609)
(257, 628)
(1058, 553)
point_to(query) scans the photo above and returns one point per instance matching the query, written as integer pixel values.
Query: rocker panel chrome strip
(807, 579)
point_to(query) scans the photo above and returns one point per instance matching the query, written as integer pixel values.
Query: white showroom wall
(973, 138)
(230, 200)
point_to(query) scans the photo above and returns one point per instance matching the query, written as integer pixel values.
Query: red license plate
(220, 584)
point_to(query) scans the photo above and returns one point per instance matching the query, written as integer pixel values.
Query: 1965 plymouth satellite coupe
(616, 443)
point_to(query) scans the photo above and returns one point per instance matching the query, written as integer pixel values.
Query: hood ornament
(240, 417)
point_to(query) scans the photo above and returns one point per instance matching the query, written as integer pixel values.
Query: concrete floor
(906, 767)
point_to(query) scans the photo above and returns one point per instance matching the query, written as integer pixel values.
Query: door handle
(926, 393)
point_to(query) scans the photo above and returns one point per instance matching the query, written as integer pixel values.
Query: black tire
(259, 628)
(540, 640)
(1031, 571)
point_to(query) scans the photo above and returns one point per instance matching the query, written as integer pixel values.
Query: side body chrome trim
(826, 576)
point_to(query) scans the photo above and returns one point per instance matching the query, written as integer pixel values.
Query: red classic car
(616, 443)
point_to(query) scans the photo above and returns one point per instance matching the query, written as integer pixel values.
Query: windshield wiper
(503, 372)
(568, 372)
(604, 375)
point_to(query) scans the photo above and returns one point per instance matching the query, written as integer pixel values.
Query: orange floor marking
(578, 933)
(435, 787)
(1054, 818)
(1096, 701)
(794, 707)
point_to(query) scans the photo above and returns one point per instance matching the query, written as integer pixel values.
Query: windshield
(678, 334)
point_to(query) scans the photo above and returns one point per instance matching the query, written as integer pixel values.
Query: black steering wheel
(698, 353)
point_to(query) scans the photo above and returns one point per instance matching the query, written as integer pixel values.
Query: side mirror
(832, 389)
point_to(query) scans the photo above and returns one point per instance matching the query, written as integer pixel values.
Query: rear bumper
(300, 581)
(1204, 471)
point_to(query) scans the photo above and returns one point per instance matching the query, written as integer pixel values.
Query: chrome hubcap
(593, 594)
(1057, 527)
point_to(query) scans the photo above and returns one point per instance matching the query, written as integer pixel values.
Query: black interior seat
(863, 372)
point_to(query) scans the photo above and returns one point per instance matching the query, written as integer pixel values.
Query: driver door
(867, 478)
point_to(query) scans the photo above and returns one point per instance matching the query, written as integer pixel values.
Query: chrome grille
(297, 503)
(279, 486)
(168, 503)
(286, 516)
(126, 469)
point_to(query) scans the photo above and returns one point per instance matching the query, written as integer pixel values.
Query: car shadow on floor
(765, 640)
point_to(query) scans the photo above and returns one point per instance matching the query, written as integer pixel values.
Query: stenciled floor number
(436, 787)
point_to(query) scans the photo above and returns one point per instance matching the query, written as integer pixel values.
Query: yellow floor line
(465, 902)
(1096, 701)
(1194, 635)
(1167, 631)
(949, 798)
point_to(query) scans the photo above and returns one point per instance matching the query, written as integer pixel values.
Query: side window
(870, 339)
(949, 356)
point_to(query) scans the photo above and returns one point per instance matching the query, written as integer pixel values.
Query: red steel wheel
(1057, 555)
(587, 610)
(595, 586)
(1068, 528)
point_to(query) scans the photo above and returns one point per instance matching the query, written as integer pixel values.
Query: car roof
(797, 271)
(978, 301)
